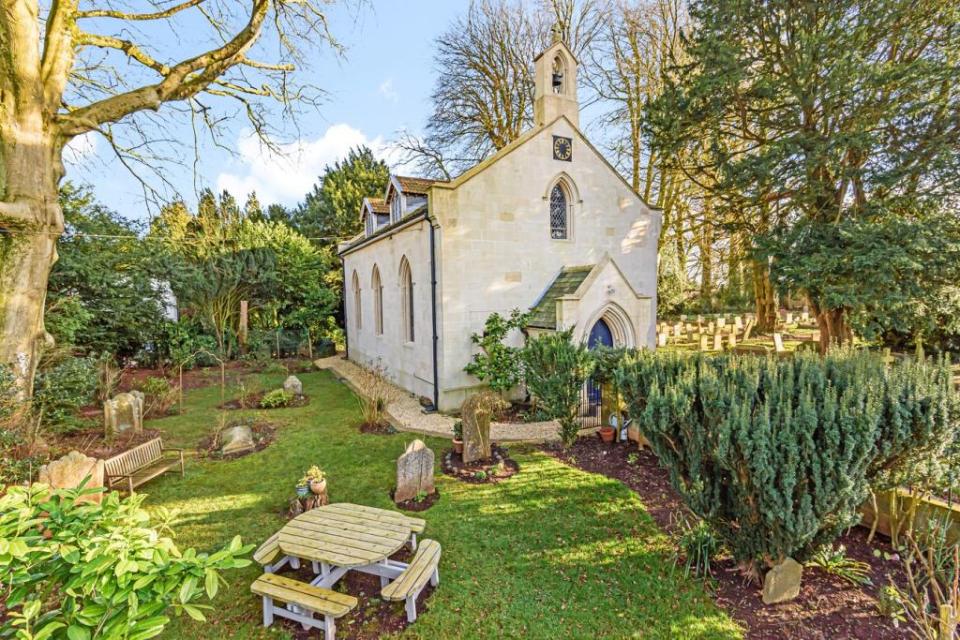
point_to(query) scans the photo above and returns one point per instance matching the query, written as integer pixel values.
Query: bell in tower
(555, 91)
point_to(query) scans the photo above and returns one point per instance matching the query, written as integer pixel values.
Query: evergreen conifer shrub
(778, 455)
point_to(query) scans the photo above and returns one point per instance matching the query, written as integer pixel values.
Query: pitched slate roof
(544, 313)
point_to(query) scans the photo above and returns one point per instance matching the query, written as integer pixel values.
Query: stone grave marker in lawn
(678, 329)
(789, 319)
(476, 414)
(124, 411)
(704, 342)
(236, 439)
(293, 385)
(70, 470)
(805, 317)
(718, 341)
(748, 329)
(738, 322)
(778, 343)
(414, 472)
(732, 340)
(662, 339)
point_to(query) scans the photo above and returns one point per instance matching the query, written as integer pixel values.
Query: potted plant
(458, 437)
(607, 433)
(315, 480)
(302, 489)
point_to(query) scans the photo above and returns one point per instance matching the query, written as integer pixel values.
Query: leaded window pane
(558, 213)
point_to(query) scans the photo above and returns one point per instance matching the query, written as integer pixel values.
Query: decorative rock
(70, 470)
(782, 583)
(293, 385)
(476, 414)
(237, 439)
(414, 472)
(123, 412)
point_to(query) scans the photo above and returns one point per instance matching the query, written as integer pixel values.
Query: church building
(545, 225)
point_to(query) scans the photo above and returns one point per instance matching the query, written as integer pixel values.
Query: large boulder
(782, 583)
(70, 470)
(293, 385)
(123, 412)
(414, 472)
(238, 439)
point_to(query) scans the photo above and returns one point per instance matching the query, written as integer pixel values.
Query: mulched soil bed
(91, 442)
(382, 429)
(828, 608)
(264, 433)
(499, 468)
(373, 618)
(252, 401)
(413, 505)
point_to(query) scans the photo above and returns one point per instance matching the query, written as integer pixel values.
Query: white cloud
(285, 178)
(387, 91)
(80, 148)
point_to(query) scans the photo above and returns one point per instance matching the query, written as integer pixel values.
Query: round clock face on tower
(562, 148)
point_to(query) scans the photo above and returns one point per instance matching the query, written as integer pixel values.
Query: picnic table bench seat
(314, 600)
(140, 464)
(414, 578)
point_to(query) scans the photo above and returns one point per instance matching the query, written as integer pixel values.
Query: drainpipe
(343, 301)
(433, 312)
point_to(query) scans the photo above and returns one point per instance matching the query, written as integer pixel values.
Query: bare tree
(97, 69)
(483, 98)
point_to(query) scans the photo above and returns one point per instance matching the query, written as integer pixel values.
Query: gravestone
(782, 583)
(718, 341)
(704, 342)
(476, 414)
(722, 321)
(778, 343)
(678, 329)
(690, 327)
(805, 316)
(815, 336)
(789, 319)
(738, 322)
(70, 470)
(661, 339)
(732, 340)
(123, 412)
(236, 439)
(293, 385)
(414, 472)
(748, 329)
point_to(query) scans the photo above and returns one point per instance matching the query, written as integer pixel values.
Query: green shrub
(276, 399)
(835, 561)
(159, 396)
(276, 369)
(778, 455)
(63, 388)
(82, 570)
(555, 370)
(498, 364)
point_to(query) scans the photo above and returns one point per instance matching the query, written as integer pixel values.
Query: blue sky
(381, 86)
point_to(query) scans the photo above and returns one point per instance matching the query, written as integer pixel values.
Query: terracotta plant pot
(318, 486)
(606, 434)
(458, 446)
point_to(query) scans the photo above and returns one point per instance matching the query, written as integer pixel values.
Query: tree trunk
(834, 330)
(706, 264)
(765, 298)
(31, 221)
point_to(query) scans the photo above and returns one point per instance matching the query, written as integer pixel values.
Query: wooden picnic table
(343, 536)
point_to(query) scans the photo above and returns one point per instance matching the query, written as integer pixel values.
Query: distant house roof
(543, 315)
(363, 239)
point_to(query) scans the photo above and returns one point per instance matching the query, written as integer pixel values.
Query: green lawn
(551, 553)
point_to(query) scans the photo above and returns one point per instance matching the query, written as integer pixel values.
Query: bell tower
(555, 88)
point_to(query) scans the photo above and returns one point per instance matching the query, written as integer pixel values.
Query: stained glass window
(558, 213)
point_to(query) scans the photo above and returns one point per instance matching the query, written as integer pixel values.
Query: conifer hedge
(778, 455)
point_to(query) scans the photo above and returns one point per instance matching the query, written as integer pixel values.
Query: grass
(552, 552)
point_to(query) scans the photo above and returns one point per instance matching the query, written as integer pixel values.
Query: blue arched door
(600, 336)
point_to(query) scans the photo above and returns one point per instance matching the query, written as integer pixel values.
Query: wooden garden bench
(314, 600)
(414, 578)
(142, 463)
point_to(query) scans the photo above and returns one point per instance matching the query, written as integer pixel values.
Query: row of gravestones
(415, 466)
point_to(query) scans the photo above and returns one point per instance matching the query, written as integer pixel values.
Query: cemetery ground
(551, 552)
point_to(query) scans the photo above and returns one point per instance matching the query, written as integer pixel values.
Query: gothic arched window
(559, 212)
(406, 299)
(559, 75)
(376, 286)
(357, 307)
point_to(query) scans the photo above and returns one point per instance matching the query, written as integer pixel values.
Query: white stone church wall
(497, 253)
(410, 365)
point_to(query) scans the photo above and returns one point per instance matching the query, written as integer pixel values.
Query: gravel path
(406, 414)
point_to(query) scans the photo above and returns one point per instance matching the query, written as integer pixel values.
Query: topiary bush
(778, 455)
(84, 570)
(555, 370)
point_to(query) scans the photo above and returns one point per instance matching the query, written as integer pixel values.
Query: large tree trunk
(31, 221)
(834, 330)
(765, 298)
